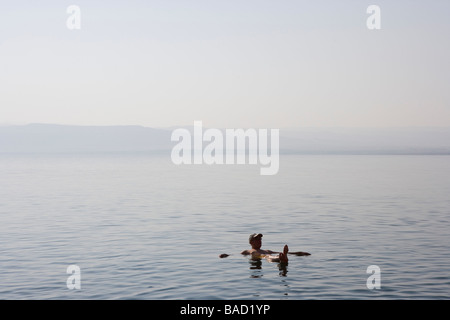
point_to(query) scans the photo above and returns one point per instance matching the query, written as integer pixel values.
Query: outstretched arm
(300, 253)
(224, 255)
(297, 253)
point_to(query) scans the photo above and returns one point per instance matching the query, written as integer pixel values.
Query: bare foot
(283, 255)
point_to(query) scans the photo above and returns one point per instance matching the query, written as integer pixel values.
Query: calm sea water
(140, 227)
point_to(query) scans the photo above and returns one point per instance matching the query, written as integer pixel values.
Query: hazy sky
(229, 63)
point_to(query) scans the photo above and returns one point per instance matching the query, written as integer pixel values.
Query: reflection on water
(256, 268)
(282, 267)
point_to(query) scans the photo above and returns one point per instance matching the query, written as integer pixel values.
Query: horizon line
(192, 125)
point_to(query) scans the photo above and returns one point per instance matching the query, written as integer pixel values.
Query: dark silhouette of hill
(63, 138)
(44, 138)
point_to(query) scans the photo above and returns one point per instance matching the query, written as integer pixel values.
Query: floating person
(256, 252)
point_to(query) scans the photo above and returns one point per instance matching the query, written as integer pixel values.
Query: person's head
(255, 240)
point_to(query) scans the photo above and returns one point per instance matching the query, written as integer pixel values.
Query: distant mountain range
(51, 138)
